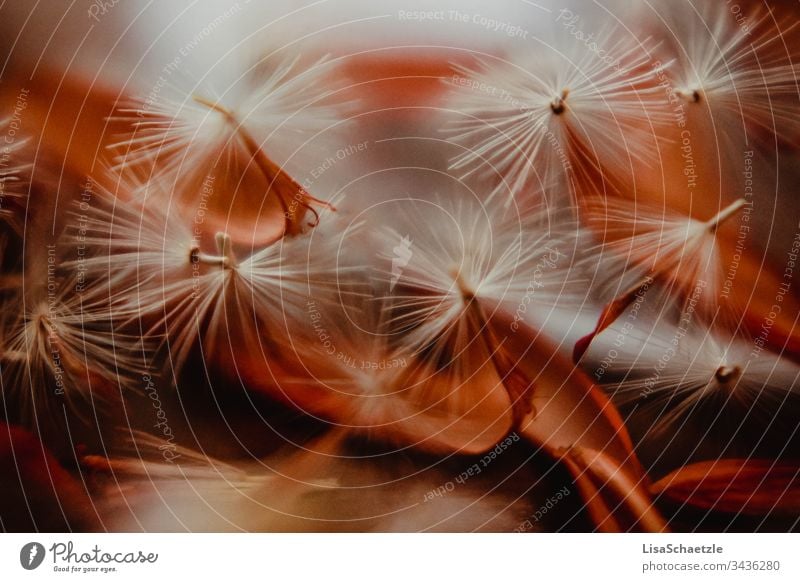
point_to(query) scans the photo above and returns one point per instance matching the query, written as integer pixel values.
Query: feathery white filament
(679, 251)
(552, 115)
(191, 134)
(156, 269)
(679, 370)
(744, 67)
(61, 347)
(466, 251)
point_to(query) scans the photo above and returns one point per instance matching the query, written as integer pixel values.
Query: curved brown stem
(289, 193)
(517, 384)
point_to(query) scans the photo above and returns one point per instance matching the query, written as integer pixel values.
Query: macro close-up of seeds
(400, 267)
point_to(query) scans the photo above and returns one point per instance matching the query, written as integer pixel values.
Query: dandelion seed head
(679, 252)
(741, 65)
(60, 348)
(673, 372)
(227, 155)
(188, 290)
(288, 103)
(558, 113)
(468, 260)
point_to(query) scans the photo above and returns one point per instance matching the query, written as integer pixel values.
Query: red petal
(755, 487)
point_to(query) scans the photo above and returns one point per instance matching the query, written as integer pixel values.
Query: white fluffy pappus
(683, 371)
(194, 140)
(192, 291)
(742, 65)
(559, 114)
(471, 263)
(646, 246)
(58, 347)
(465, 251)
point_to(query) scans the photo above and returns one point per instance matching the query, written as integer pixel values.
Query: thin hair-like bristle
(189, 291)
(741, 65)
(193, 140)
(688, 372)
(559, 114)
